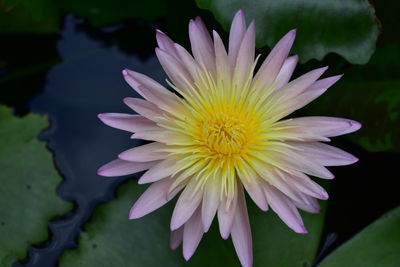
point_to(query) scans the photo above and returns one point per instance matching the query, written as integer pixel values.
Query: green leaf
(110, 239)
(27, 16)
(104, 12)
(371, 95)
(348, 28)
(377, 245)
(28, 196)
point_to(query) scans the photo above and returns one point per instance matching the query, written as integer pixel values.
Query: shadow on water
(88, 81)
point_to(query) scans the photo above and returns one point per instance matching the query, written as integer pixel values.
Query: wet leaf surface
(322, 26)
(377, 245)
(29, 180)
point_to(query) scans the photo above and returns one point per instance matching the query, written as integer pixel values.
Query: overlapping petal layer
(226, 134)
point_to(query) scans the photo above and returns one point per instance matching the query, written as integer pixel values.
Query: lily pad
(323, 26)
(28, 196)
(369, 94)
(377, 245)
(26, 16)
(110, 239)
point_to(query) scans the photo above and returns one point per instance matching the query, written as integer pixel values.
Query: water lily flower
(226, 132)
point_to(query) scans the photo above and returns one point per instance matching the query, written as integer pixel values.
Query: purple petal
(210, 202)
(166, 44)
(237, 31)
(202, 46)
(153, 198)
(286, 72)
(120, 167)
(148, 152)
(192, 234)
(285, 209)
(273, 63)
(245, 57)
(241, 232)
(176, 238)
(127, 122)
(144, 108)
(186, 205)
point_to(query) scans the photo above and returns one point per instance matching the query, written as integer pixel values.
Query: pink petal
(210, 202)
(174, 69)
(192, 67)
(127, 122)
(158, 135)
(166, 44)
(144, 108)
(254, 188)
(241, 232)
(237, 31)
(202, 46)
(285, 209)
(301, 84)
(288, 106)
(312, 207)
(303, 164)
(273, 63)
(304, 184)
(148, 152)
(245, 57)
(151, 90)
(286, 72)
(120, 167)
(322, 126)
(221, 60)
(192, 234)
(176, 238)
(153, 198)
(325, 154)
(160, 170)
(186, 205)
(226, 216)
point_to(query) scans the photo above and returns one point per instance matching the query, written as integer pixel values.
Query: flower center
(223, 134)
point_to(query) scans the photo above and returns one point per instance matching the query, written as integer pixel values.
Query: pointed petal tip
(173, 226)
(187, 254)
(103, 172)
(355, 125)
(100, 116)
(225, 236)
(324, 195)
(302, 231)
(125, 72)
(132, 215)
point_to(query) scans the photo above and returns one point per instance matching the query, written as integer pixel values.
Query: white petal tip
(125, 72)
(133, 216)
(225, 236)
(302, 231)
(354, 126)
(187, 255)
(104, 172)
(174, 226)
(324, 195)
(142, 181)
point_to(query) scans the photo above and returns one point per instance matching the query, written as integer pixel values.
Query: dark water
(87, 81)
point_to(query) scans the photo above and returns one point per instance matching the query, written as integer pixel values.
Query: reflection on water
(88, 81)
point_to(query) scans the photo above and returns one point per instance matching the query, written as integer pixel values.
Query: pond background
(68, 67)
